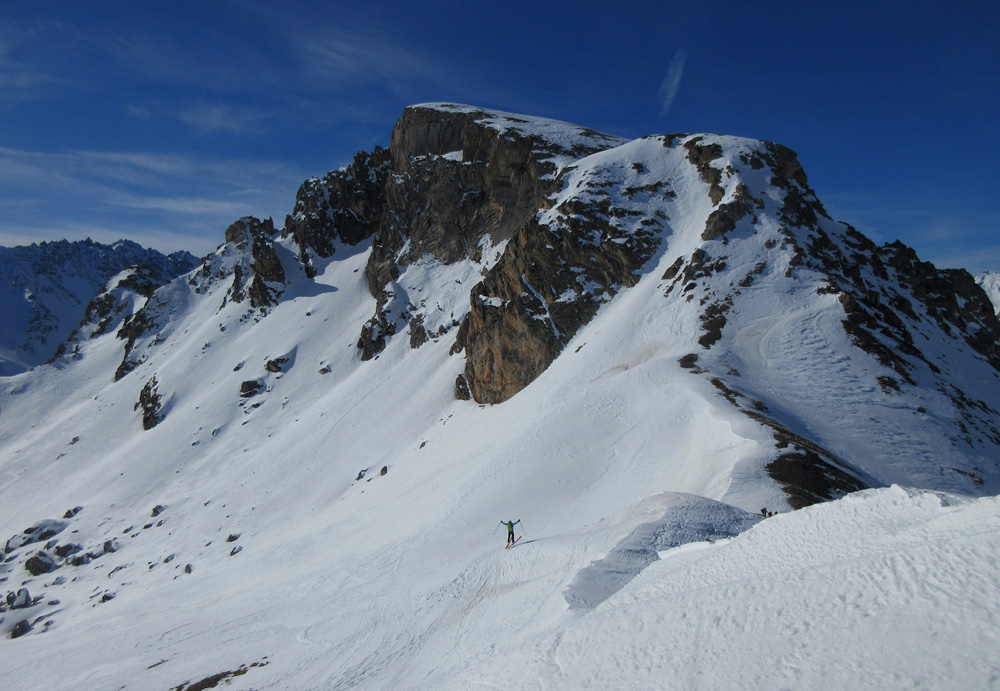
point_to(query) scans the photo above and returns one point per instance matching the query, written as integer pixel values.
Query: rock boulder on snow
(19, 600)
(20, 628)
(250, 388)
(41, 562)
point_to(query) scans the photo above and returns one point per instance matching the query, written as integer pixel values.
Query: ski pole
(495, 529)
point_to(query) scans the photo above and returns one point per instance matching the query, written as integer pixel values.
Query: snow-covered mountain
(288, 468)
(45, 290)
(990, 282)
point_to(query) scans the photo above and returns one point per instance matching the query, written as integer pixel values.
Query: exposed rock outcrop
(454, 181)
(346, 206)
(151, 403)
(262, 278)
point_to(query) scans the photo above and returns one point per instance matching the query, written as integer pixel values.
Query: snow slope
(990, 282)
(258, 537)
(882, 589)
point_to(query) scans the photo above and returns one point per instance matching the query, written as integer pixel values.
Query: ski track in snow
(815, 386)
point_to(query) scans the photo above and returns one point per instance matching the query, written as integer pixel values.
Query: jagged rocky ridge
(557, 220)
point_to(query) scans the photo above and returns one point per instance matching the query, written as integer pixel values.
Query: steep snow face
(304, 518)
(46, 289)
(990, 282)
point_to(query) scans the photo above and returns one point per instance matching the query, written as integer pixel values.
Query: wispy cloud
(22, 77)
(207, 118)
(50, 196)
(202, 206)
(669, 87)
(332, 58)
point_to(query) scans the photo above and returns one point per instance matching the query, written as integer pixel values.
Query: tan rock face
(458, 182)
(533, 301)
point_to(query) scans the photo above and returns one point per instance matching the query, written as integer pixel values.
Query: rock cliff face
(454, 183)
(462, 181)
(345, 206)
(555, 273)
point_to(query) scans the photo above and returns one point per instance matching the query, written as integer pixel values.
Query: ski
(514, 542)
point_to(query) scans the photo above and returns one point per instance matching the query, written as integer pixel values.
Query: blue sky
(164, 122)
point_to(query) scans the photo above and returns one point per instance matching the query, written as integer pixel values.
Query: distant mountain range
(288, 462)
(45, 290)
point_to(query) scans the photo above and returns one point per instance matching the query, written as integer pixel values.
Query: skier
(510, 530)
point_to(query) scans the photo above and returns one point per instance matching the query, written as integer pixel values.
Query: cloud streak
(670, 85)
(155, 199)
(22, 76)
(209, 118)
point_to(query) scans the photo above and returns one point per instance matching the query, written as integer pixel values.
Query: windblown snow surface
(240, 539)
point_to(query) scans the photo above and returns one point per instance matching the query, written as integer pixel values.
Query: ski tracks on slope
(371, 637)
(498, 596)
(803, 367)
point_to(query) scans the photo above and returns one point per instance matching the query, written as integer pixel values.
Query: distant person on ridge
(510, 530)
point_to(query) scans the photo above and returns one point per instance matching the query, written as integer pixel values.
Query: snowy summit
(746, 446)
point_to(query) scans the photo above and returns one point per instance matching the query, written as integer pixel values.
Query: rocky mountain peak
(502, 238)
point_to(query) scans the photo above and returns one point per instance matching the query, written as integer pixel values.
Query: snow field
(615, 459)
(882, 589)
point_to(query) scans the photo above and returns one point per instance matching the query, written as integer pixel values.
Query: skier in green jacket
(510, 530)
